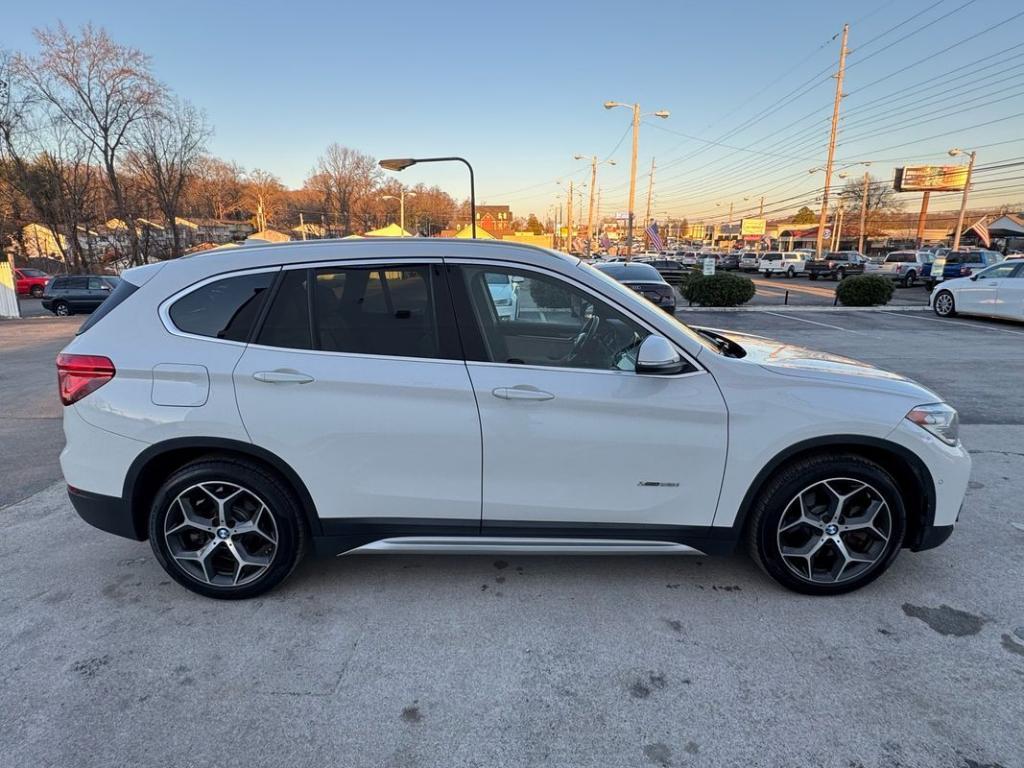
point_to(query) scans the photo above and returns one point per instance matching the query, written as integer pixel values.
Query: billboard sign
(930, 178)
(754, 226)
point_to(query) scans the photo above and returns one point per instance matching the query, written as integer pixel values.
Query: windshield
(33, 273)
(630, 298)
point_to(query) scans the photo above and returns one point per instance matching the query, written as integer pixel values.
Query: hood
(791, 360)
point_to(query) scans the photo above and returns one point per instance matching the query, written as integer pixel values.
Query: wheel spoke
(848, 557)
(189, 517)
(201, 556)
(253, 526)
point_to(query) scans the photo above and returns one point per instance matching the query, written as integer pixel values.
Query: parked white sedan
(996, 292)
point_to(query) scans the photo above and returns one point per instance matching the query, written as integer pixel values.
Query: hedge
(864, 291)
(722, 289)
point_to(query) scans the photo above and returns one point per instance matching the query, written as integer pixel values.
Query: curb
(797, 308)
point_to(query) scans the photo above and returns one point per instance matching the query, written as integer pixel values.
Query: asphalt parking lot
(525, 661)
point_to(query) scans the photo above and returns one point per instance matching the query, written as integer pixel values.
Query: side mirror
(974, 278)
(658, 356)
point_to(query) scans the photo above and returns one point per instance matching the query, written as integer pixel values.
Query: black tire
(841, 274)
(813, 276)
(279, 501)
(908, 279)
(777, 496)
(62, 309)
(768, 274)
(790, 273)
(36, 291)
(944, 304)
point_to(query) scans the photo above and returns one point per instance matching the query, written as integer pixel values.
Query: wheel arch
(151, 467)
(909, 471)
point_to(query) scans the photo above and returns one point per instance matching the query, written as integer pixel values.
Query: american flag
(980, 228)
(653, 236)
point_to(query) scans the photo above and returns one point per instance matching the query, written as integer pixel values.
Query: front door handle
(522, 392)
(282, 377)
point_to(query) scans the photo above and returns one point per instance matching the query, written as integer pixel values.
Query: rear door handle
(282, 377)
(522, 392)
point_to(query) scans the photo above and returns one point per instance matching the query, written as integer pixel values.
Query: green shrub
(722, 289)
(864, 291)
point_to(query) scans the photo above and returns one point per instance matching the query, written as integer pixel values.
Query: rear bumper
(108, 513)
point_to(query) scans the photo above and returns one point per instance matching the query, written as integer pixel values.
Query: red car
(31, 281)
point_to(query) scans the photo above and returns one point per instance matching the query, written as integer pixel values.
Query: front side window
(223, 309)
(999, 270)
(548, 322)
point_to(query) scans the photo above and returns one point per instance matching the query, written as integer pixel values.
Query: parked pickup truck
(905, 267)
(836, 265)
(788, 263)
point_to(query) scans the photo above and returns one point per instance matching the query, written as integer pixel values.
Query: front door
(1010, 298)
(981, 294)
(573, 439)
(356, 381)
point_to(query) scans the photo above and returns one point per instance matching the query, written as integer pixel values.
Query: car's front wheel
(226, 528)
(827, 524)
(944, 304)
(36, 291)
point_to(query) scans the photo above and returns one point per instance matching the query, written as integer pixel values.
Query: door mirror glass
(658, 356)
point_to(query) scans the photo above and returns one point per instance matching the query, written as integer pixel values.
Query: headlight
(939, 419)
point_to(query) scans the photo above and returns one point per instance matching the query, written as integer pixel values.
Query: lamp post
(963, 201)
(401, 206)
(401, 163)
(663, 114)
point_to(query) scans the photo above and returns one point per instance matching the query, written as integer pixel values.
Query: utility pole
(650, 191)
(302, 225)
(632, 180)
(760, 210)
(568, 221)
(823, 215)
(590, 210)
(863, 213)
(922, 217)
(963, 204)
(837, 236)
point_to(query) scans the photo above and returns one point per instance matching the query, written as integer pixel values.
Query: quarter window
(224, 309)
(530, 319)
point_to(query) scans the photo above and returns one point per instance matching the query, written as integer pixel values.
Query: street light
(594, 162)
(401, 205)
(955, 152)
(663, 114)
(401, 163)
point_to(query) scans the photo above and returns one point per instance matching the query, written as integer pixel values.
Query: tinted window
(74, 283)
(376, 311)
(287, 322)
(224, 309)
(549, 323)
(97, 284)
(33, 273)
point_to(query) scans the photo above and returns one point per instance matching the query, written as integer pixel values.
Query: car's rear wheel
(841, 274)
(908, 280)
(828, 524)
(61, 309)
(944, 304)
(790, 273)
(813, 276)
(36, 291)
(226, 528)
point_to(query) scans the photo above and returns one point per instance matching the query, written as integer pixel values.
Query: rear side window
(287, 323)
(121, 291)
(224, 309)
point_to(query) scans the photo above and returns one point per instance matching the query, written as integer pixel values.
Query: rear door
(574, 439)
(980, 293)
(76, 293)
(356, 381)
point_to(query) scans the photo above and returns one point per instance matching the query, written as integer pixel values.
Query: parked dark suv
(67, 294)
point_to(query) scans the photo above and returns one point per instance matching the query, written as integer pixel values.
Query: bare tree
(264, 195)
(882, 202)
(346, 180)
(166, 154)
(103, 90)
(217, 187)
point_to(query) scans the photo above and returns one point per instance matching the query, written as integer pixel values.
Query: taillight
(79, 375)
(965, 271)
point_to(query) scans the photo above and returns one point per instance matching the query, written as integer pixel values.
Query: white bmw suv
(241, 406)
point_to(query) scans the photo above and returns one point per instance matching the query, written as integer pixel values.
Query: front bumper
(108, 513)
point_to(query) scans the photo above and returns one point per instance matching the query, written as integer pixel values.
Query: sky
(518, 88)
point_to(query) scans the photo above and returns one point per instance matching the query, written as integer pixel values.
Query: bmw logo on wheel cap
(223, 533)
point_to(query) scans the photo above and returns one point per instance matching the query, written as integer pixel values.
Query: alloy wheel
(944, 304)
(221, 533)
(834, 530)
(62, 310)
